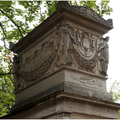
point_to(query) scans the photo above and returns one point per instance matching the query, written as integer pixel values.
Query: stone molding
(85, 11)
(64, 105)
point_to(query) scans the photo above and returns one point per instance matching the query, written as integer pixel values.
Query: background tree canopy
(17, 19)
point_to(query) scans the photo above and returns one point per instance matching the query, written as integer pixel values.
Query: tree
(115, 92)
(17, 19)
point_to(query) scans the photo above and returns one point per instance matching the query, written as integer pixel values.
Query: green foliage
(7, 97)
(119, 113)
(51, 6)
(102, 9)
(17, 19)
(115, 90)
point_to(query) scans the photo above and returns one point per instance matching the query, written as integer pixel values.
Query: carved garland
(85, 60)
(84, 64)
(37, 73)
(88, 61)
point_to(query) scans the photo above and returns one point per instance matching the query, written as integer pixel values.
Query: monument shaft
(62, 67)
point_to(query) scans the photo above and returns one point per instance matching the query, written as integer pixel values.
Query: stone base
(67, 93)
(69, 106)
(68, 80)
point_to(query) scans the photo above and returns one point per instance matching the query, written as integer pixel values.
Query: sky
(114, 44)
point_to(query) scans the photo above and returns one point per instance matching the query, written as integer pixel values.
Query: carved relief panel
(88, 81)
(44, 56)
(76, 46)
(65, 46)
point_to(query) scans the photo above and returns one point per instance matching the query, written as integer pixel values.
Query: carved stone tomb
(61, 67)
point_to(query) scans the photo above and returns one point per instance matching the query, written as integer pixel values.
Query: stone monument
(61, 67)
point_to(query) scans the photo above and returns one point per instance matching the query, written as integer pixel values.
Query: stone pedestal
(62, 66)
(63, 95)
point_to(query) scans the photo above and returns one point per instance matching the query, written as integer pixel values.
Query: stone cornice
(85, 11)
(69, 14)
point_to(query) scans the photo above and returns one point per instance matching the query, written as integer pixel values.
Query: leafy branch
(5, 44)
(12, 21)
(6, 73)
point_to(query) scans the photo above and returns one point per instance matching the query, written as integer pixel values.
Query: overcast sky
(114, 43)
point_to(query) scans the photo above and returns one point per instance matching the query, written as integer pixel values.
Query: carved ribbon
(87, 80)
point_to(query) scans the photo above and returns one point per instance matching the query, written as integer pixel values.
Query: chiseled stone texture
(69, 106)
(65, 39)
(68, 80)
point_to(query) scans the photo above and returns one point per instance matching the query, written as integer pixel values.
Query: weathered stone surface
(43, 88)
(85, 11)
(64, 45)
(68, 80)
(61, 67)
(69, 106)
